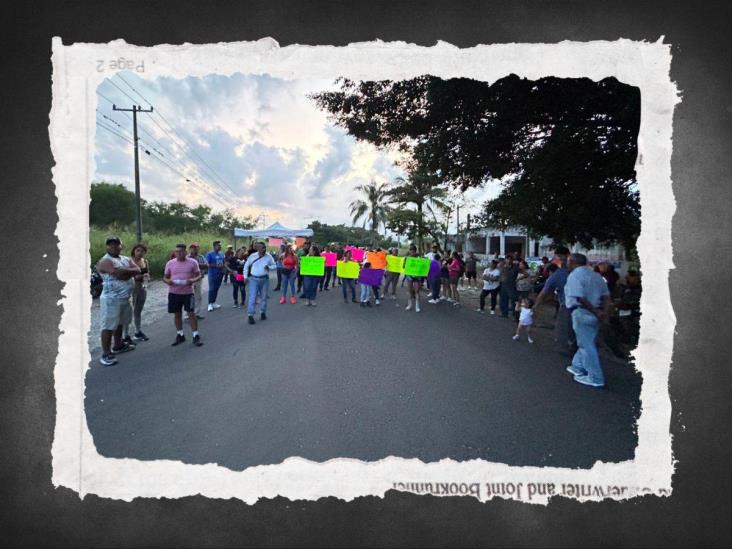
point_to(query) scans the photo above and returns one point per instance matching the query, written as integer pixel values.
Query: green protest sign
(417, 266)
(312, 265)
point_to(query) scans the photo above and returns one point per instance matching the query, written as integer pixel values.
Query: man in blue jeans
(215, 261)
(257, 269)
(587, 298)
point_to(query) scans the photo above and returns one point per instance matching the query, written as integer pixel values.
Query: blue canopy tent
(274, 231)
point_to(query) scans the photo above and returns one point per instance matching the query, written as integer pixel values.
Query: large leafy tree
(111, 204)
(564, 149)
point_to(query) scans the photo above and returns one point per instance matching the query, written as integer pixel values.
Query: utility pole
(138, 208)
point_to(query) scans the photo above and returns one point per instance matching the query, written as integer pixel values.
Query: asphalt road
(339, 381)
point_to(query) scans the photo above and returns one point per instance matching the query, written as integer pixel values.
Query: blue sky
(253, 143)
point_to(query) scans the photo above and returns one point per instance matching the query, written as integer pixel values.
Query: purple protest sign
(371, 277)
(435, 269)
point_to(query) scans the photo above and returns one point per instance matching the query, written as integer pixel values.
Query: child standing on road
(526, 319)
(365, 290)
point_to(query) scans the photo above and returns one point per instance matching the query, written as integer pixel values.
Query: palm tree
(425, 192)
(374, 206)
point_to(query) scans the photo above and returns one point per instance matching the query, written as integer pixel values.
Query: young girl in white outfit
(526, 319)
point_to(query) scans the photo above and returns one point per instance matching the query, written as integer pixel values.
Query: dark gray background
(33, 512)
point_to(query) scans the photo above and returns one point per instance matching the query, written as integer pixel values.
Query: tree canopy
(564, 149)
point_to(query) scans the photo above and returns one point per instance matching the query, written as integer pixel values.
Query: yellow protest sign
(394, 264)
(347, 269)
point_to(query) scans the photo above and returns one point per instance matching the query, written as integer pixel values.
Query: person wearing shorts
(471, 271)
(181, 274)
(414, 282)
(115, 309)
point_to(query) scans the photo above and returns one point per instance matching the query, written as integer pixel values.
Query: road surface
(337, 380)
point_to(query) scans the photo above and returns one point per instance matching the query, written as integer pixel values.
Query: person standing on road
(197, 293)
(215, 261)
(181, 274)
(471, 271)
(587, 298)
(491, 285)
(391, 279)
(227, 254)
(257, 269)
(305, 250)
(524, 285)
(347, 283)
(415, 283)
(563, 331)
(310, 282)
(235, 267)
(139, 291)
(325, 279)
(509, 271)
(455, 269)
(278, 261)
(289, 273)
(115, 309)
(434, 279)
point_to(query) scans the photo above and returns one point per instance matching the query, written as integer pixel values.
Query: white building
(490, 243)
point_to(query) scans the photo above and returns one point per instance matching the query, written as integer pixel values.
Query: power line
(110, 130)
(179, 136)
(175, 141)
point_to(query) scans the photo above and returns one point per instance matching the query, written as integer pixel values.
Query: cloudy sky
(252, 143)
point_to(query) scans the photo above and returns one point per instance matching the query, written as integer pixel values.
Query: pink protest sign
(330, 259)
(371, 277)
(276, 242)
(356, 253)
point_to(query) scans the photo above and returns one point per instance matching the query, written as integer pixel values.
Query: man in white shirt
(257, 269)
(491, 284)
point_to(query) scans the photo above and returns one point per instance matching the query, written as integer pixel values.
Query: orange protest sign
(377, 260)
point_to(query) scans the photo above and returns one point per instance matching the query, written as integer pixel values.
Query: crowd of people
(581, 294)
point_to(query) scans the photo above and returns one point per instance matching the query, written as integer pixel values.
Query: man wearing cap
(181, 274)
(115, 310)
(215, 261)
(587, 299)
(203, 266)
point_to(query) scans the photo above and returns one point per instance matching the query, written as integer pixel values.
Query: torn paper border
(77, 71)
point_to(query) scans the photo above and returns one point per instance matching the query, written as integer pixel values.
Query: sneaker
(178, 340)
(216, 306)
(251, 319)
(515, 338)
(236, 306)
(263, 316)
(354, 300)
(197, 340)
(575, 372)
(123, 348)
(127, 339)
(408, 307)
(210, 307)
(585, 380)
(293, 300)
(393, 297)
(313, 304)
(139, 336)
(531, 340)
(443, 298)
(107, 360)
(481, 311)
(283, 300)
(416, 308)
(378, 302)
(493, 312)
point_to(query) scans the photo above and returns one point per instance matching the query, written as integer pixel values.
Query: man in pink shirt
(181, 274)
